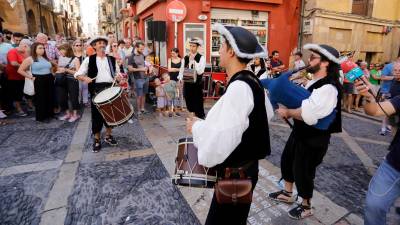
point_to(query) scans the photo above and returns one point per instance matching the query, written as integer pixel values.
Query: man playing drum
(101, 71)
(235, 133)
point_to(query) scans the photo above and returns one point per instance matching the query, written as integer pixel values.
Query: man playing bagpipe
(308, 142)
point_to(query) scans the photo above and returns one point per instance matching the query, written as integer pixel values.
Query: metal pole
(300, 43)
(176, 35)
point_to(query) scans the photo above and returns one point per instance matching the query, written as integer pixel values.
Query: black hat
(243, 42)
(96, 39)
(329, 52)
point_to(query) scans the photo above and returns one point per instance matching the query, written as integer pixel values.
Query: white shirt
(128, 51)
(320, 104)
(103, 68)
(199, 67)
(221, 132)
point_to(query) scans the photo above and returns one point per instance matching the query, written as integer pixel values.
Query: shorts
(161, 102)
(348, 88)
(139, 87)
(16, 89)
(175, 101)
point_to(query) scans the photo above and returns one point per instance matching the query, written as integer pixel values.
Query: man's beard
(314, 69)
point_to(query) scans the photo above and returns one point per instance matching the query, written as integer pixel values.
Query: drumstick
(94, 78)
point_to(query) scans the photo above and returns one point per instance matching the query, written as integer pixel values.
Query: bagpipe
(283, 91)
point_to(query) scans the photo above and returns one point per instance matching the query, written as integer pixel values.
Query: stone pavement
(48, 175)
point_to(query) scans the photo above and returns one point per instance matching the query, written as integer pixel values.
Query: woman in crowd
(258, 68)
(114, 51)
(43, 81)
(174, 65)
(68, 64)
(83, 87)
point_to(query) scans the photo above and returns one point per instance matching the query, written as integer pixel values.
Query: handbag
(29, 87)
(234, 190)
(61, 78)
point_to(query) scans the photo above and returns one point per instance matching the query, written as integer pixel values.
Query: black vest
(255, 143)
(260, 72)
(303, 130)
(196, 58)
(92, 68)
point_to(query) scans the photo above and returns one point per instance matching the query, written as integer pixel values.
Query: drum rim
(108, 100)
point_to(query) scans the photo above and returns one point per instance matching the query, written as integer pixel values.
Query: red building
(274, 22)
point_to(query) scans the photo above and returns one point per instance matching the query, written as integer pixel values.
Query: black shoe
(282, 196)
(96, 145)
(111, 141)
(300, 212)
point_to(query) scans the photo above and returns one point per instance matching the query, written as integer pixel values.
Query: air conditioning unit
(307, 26)
(254, 13)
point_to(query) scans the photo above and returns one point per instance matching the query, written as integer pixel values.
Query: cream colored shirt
(103, 68)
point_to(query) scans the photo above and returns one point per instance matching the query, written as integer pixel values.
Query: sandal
(282, 196)
(300, 212)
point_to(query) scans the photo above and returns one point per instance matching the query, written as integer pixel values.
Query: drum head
(106, 95)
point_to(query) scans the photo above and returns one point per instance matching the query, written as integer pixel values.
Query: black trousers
(300, 159)
(68, 93)
(193, 93)
(232, 214)
(97, 118)
(5, 98)
(44, 86)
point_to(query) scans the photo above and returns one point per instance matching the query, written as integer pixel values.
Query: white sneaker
(2, 115)
(73, 119)
(130, 121)
(65, 117)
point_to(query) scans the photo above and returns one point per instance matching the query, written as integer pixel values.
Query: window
(194, 30)
(146, 30)
(360, 7)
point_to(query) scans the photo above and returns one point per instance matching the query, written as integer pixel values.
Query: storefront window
(194, 30)
(146, 26)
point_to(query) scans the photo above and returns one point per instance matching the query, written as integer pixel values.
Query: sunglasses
(115, 45)
(78, 45)
(312, 57)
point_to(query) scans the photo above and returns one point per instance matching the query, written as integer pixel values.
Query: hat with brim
(96, 39)
(243, 42)
(196, 41)
(327, 51)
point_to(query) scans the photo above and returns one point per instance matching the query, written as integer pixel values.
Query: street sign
(176, 11)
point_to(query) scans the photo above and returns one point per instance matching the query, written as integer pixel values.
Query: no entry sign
(176, 11)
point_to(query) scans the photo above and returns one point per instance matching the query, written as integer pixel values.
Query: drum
(189, 76)
(113, 106)
(188, 172)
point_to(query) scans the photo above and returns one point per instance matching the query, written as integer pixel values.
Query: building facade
(46, 16)
(274, 22)
(371, 28)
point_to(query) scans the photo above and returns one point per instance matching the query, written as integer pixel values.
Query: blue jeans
(383, 190)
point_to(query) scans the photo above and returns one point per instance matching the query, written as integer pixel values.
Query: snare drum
(113, 106)
(188, 171)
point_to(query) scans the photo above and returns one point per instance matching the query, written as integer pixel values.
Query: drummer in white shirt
(101, 71)
(235, 132)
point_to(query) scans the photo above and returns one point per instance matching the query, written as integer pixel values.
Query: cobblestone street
(48, 175)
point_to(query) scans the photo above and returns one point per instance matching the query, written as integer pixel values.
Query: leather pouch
(234, 190)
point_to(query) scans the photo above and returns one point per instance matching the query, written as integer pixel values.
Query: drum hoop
(196, 176)
(108, 100)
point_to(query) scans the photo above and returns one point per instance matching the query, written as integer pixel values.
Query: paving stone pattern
(27, 141)
(129, 136)
(357, 128)
(131, 191)
(23, 196)
(341, 177)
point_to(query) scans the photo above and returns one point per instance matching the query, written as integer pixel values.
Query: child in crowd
(171, 90)
(161, 97)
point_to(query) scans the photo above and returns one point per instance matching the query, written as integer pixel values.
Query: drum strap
(111, 67)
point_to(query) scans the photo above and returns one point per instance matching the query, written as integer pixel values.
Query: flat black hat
(243, 42)
(328, 51)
